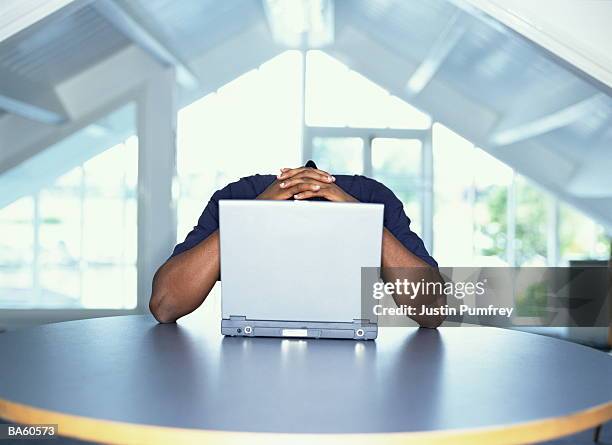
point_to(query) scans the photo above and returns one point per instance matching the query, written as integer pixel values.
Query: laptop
(293, 268)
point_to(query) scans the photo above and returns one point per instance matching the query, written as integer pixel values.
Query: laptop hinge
(237, 317)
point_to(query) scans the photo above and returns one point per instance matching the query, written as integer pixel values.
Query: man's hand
(303, 183)
(302, 179)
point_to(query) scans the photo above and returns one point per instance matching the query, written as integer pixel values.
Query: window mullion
(427, 190)
(511, 222)
(367, 156)
(552, 251)
(36, 258)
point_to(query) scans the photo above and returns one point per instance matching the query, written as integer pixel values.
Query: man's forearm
(399, 263)
(183, 282)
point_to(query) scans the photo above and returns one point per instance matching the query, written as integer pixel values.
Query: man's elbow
(432, 321)
(161, 311)
(159, 302)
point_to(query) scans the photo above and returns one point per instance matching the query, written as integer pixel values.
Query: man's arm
(399, 263)
(183, 282)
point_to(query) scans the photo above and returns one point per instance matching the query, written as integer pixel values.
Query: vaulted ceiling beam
(547, 122)
(142, 37)
(441, 49)
(31, 100)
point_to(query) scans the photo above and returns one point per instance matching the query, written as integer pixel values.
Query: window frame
(367, 135)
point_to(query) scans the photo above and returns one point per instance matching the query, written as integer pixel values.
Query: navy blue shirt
(362, 188)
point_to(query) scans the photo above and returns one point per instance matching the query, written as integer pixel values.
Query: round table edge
(116, 432)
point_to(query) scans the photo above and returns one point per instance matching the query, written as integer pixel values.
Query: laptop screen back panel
(296, 261)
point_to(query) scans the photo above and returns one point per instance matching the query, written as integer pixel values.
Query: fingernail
(278, 176)
(296, 196)
(282, 184)
(330, 179)
(316, 187)
(333, 178)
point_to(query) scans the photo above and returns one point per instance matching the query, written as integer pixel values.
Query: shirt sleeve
(245, 188)
(207, 224)
(396, 221)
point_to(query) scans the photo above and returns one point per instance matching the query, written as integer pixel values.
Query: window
(492, 180)
(470, 202)
(486, 214)
(71, 215)
(397, 163)
(16, 252)
(453, 197)
(580, 238)
(342, 156)
(337, 96)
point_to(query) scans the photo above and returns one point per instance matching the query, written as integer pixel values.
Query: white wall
(578, 31)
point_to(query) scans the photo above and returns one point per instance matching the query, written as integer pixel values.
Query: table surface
(131, 369)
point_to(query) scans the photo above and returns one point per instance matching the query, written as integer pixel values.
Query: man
(182, 283)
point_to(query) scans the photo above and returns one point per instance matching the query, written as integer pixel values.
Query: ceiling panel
(61, 45)
(409, 28)
(496, 67)
(195, 26)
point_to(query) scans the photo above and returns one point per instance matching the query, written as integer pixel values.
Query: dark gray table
(130, 380)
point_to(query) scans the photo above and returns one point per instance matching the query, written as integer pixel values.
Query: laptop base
(242, 327)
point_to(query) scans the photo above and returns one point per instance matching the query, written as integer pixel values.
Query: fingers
(320, 175)
(302, 187)
(330, 192)
(299, 188)
(302, 179)
(307, 194)
(308, 173)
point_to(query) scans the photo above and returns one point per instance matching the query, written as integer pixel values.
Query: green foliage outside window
(491, 221)
(531, 224)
